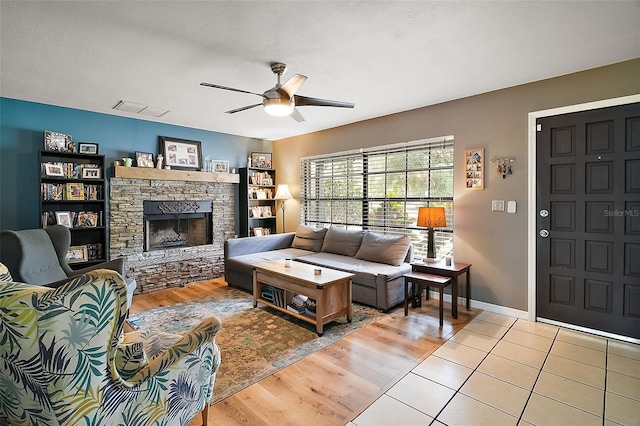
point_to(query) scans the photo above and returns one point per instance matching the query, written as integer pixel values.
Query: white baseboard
(496, 309)
(516, 313)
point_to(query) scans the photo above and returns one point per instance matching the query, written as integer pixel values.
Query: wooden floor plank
(335, 384)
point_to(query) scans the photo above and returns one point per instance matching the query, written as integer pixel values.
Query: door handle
(544, 233)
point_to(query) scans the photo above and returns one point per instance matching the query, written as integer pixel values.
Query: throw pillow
(341, 241)
(309, 238)
(5, 275)
(389, 249)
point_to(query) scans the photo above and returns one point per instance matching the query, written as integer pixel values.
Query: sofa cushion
(389, 249)
(341, 241)
(365, 276)
(5, 275)
(246, 262)
(308, 238)
(366, 273)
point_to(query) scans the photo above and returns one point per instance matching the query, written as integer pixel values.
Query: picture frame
(181, 154)
(88, 148)
(474, 168)
(220, 166)
(53, 169)
(64, 219)
(87, 219)
(61, 142)
(261, 160)
(258, 232)
(144, 159)
(91, 173)
(74, 191)
(77, 254)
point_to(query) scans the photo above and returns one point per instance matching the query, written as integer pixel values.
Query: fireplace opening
(172, 224)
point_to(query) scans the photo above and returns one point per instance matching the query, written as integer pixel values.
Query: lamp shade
(283, 192)
(431, 217)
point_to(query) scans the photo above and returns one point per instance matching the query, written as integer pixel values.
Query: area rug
(254, 343)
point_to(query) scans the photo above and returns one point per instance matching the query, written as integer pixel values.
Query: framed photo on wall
(181, 154)
(474, 168)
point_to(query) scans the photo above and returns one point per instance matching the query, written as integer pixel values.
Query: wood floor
(335, 384)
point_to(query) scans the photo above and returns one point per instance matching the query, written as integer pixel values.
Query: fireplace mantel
(177, 175)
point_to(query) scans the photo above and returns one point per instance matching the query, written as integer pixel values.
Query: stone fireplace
(170, 229)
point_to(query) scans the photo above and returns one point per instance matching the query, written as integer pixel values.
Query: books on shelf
(82, 219)
(70, 191)
(261, 178)
(294, 309)
(274, 295)
(297, 304)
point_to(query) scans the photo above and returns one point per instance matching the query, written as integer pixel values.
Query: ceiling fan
(281, 99)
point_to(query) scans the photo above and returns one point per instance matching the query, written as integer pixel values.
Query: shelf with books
(73, 194)
(257, 201)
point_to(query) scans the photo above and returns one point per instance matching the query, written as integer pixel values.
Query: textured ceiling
(385, 57)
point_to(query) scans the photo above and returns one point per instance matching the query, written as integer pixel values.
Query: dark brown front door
(588, 219)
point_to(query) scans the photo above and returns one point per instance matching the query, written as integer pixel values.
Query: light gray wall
(494, 242)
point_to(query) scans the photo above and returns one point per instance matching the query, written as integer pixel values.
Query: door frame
(531, 191)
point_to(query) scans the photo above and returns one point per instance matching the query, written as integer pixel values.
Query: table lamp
(283, 194)
(431, 217)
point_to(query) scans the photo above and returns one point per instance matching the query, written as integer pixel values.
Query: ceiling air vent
(127, 106)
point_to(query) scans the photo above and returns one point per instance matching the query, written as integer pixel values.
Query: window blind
(380, 189)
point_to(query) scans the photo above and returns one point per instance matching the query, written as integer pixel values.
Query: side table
(454, 271)
(420, 280)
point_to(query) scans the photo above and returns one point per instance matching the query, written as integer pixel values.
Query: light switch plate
(511, 206)
(497, 205)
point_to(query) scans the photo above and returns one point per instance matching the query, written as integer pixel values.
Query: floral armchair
(64, 359)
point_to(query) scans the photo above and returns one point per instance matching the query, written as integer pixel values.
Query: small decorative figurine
(160, 160)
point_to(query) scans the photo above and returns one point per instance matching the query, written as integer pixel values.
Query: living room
(498, 244)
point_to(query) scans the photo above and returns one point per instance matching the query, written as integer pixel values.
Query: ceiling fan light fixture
(278, 107)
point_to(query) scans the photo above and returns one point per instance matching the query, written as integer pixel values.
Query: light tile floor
(500, 370)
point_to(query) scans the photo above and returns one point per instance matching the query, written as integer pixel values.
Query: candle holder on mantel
(504, 165)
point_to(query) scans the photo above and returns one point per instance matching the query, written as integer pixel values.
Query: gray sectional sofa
(378, 261)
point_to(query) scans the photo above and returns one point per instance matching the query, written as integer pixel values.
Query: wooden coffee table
(331, 290)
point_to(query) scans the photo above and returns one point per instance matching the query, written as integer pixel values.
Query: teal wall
(21, 137)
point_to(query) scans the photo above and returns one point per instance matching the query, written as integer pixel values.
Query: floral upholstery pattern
(5, 275)
(62, 361)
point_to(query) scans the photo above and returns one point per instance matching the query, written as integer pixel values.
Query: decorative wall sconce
(504, 165)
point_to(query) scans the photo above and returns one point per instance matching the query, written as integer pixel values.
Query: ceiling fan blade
(295, 114)
(244, 108)
(305, 101)
(217, 86)
(293, 84)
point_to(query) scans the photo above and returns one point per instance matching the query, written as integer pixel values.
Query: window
(380, 189)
